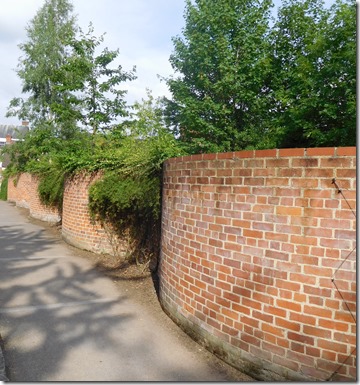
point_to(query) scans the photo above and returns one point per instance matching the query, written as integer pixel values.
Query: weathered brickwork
(19, 190)
(252, 250)
(23, 190)
(78, 228)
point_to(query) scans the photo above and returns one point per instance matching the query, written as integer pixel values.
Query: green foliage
(3, 188)
(243, 84)
(132, 206)
(314, 74)
(129, 194)
(51, 188)
(217, 101)
(91, 89)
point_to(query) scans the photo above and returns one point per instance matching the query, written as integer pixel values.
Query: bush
(3, 188)
(51, 188)
(132, 207)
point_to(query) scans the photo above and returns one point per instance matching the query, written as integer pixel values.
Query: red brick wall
(23, 190)
(252, 242)
(39, 210)
(12, 191)
(78, 228)
(19, 190)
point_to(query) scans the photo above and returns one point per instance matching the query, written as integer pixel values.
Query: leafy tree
(45, 51)
(220, 95)
(243, 84)
(314, 74)
(90, 88)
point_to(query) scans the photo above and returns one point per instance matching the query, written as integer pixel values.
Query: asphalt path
(62, 320)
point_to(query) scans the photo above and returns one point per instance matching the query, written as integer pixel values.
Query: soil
(140, 285)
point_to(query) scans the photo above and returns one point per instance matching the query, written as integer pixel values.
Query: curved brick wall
(251, 241)
(37, 209)
(23, 190)
(77, 227)
(20, 189)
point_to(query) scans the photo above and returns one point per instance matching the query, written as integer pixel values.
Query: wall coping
(272, 153)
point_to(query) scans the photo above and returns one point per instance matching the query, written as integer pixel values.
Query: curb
(2, 364)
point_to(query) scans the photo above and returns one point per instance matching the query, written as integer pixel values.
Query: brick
(321, 151)
(271, 329)
(295, 326)
(311, 351)
(346, 151)
(316, 331)
(286, 152)
(250, 303)
(260, 353)
(288, 211)
(303, 338)
(276, 182)
(262, 317)
(274, 349)
(332, 346)
(313, 372)
(345, 338)
(277, 255)
(244, 154)
(289, 172)
(311, 280)
(296, 347)
(318, 311)
(304, 183)
(332, 325)
(275, 311)
(260, 181)
(303, 240)
(265, 153)
(288, 305)
(267, 172)
(292, 286)
(290, 364)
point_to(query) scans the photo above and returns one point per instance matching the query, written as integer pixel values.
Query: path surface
(63, 320)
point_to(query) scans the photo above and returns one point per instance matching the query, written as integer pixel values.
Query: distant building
(10, 134)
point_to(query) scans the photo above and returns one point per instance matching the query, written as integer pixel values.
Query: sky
(140, 29)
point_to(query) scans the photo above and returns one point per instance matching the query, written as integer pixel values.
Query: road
(61, 319)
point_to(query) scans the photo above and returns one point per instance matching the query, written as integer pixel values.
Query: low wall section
(78, 228)
(258, 259)
(23, 190)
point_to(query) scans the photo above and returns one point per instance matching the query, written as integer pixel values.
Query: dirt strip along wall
(23, 191)
(258, 259)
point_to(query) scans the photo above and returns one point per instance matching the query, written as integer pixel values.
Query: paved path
(61, 320)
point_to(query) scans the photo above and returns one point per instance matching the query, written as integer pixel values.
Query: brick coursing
(22, 190)
(77, 228)
(251, 241)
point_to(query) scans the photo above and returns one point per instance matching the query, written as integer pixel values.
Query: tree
(90, 88)
(314, 74)
(44, 52)
(219, 98)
